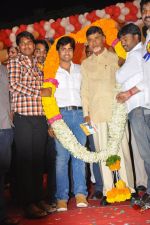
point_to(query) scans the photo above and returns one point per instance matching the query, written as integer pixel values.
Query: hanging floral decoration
(120, 192)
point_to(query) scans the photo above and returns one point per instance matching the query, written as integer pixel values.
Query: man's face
(65, 53)
(96, 42)
(146, 14)
(40, 53)
(12, 53)
(129, 41)
(26, 46)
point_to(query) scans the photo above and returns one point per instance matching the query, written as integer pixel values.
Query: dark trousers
(50, 160)
(6, 138)
(96, 168)
(30, 136)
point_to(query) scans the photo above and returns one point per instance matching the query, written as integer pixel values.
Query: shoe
(34, 212)
(81, 201)
(46, 207)
(134, 195)
(97, 195)
(103, 201)
(9, 221)
(146, 198)
(53, 207)
(140, 188)
(61, 205)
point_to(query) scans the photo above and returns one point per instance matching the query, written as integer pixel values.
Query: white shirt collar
(138, 46)
(71, 68)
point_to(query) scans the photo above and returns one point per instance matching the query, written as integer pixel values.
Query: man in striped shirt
(30, 132)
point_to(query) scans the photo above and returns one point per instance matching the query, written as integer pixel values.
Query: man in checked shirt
(30, 132)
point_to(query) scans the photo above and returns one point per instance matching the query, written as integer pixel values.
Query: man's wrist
(130, 92)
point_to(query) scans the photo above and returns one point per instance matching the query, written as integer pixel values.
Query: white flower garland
(116, 129)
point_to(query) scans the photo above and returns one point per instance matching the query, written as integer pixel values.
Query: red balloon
(73, 20)
(77, 26)
(55, 25)
(23, 27)
(130, 17)
(109, 10)
(42, 22)
(61, 30)
(18, 31)
(7, 42)
(36, 26)
(42, 32)
(58, 20)
(8, 31)
(89, 16)
(57, 35)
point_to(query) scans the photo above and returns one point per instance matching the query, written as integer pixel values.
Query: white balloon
(30, 28)
(12, 37)
(125, 11)
(69, 28)
(86, 23)
(121, 5)
(107, 16)
(14, 29)
(136, 3)
(121, 17)
(82, 19)
(46, 26)
(64, 22)
(100, 13)
(51, 31)
(51, 20)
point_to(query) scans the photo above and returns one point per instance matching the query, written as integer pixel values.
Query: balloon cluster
(121, 12)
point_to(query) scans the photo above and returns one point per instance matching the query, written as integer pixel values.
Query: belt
(71, 108)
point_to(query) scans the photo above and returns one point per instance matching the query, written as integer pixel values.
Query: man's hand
(87, 119)
(51, 132)
(46, 92)
(123, 96)
(12, 115)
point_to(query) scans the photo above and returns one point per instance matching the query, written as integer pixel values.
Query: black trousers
(30, 136)
(6, 138)
(50, 159)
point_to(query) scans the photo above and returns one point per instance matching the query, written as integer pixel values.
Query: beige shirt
(98, 85)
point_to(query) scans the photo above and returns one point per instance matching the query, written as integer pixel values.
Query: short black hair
(142, 3)
(43, 42)
(64, 41)
(130, 28)
(93, 30)
(24, 34)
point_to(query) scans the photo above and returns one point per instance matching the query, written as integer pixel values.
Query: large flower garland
(116, 130)
(63, 133)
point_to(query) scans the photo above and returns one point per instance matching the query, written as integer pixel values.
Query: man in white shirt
(130, 75)
(69, 101)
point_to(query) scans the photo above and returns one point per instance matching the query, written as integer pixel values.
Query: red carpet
(114, 214)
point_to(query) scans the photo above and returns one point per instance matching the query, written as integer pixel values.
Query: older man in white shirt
(130, 75)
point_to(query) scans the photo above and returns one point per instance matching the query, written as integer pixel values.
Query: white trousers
(126, 171)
